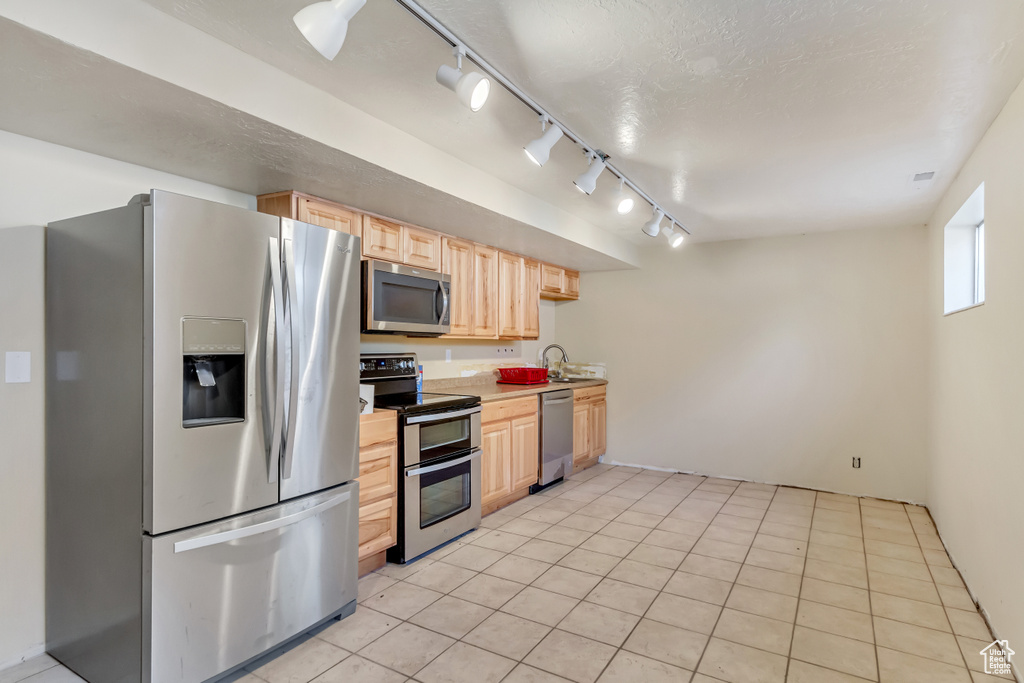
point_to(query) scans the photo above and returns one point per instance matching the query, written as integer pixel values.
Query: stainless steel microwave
(403, 300)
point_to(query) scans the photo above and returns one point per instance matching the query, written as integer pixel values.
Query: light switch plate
(18, 367)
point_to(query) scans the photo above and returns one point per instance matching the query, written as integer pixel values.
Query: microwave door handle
(475, 453)
(277, 421)
(444, 306)
(293, 384)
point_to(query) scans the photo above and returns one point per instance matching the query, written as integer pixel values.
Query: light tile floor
(629, 575)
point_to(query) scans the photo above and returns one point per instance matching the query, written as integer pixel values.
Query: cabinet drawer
(590, 393)
(506, 410)
(378, 471)
(378, 526)
(376, 427)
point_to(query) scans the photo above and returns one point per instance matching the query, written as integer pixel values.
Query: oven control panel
(381, 366)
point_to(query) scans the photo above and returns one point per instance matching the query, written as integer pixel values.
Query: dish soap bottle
(419, 379)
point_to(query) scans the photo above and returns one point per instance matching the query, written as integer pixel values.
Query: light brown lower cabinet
(510, 436)
(378, 487)
(589, 426)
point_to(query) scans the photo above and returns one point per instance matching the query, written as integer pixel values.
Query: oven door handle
(475, 453)
(441, 417)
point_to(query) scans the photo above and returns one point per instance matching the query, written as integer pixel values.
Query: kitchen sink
(567, 380)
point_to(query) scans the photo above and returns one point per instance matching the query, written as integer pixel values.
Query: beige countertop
(490, 390)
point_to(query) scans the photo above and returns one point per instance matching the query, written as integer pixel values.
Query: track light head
(471, 88)
(675, 237)
(538, 151)
(586, 182)
(623, 202)
(325, 24)
(653, 226)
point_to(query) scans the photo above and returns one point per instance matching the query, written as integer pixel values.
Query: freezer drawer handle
(245, 532)
(475, 453)
(441, 417)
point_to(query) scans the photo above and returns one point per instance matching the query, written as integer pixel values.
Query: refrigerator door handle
(277, 421)
(264, 527)
(293, 388)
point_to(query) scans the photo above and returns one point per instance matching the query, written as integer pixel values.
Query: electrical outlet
(506, 351)
(447, 355)
(856, 463)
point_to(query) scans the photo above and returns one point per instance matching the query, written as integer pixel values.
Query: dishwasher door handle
(557, 401)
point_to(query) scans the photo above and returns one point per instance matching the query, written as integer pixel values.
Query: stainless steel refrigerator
(202, 436)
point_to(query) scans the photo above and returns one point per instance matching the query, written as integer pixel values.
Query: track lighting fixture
(539, 150)
(472, 88)
(675, 237)
(623, 202)
(325, 24)
(653, 226)
(586, 182)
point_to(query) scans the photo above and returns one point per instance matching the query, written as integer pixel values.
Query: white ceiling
(743, 118)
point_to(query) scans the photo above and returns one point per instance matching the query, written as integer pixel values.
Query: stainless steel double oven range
(439, 456)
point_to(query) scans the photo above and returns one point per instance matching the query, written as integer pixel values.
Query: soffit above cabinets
(77, 98)
(743, 118)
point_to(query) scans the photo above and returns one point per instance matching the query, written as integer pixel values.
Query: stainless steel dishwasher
(555, 438)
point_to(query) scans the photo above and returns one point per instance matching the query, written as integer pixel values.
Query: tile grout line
(867, 578)
(733, 586)
(800, 591)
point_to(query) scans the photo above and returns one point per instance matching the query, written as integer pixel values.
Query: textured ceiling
(744, 118)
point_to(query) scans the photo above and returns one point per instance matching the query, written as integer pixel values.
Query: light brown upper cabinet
(559, 284)
(382, 239)
(309, 209)
(531, 299)
(511, 295)
(485, 291)
(552, 279)
(494, 294)
(421, 248)
(457, 261)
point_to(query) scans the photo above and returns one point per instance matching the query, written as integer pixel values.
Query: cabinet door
(552, 279)
(525, 451)
(382, 239)
(510, 307)
(457, 261)
(378, 471)
(580, 432)
(496, 462)
(531, 300)
(598, 428)
(328, 215)
(485, 291)
(572, 284)
(421, 248)
(378, 526)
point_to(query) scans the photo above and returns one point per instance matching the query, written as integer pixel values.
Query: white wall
(976, 446)
(774, 359)
(21, 445)
(43, 183)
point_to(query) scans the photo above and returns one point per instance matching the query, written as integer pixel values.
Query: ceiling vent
(918, 177)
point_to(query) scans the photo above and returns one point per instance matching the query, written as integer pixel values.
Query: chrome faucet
(544, 354)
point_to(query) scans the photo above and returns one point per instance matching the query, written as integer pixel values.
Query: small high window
(964, 277)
